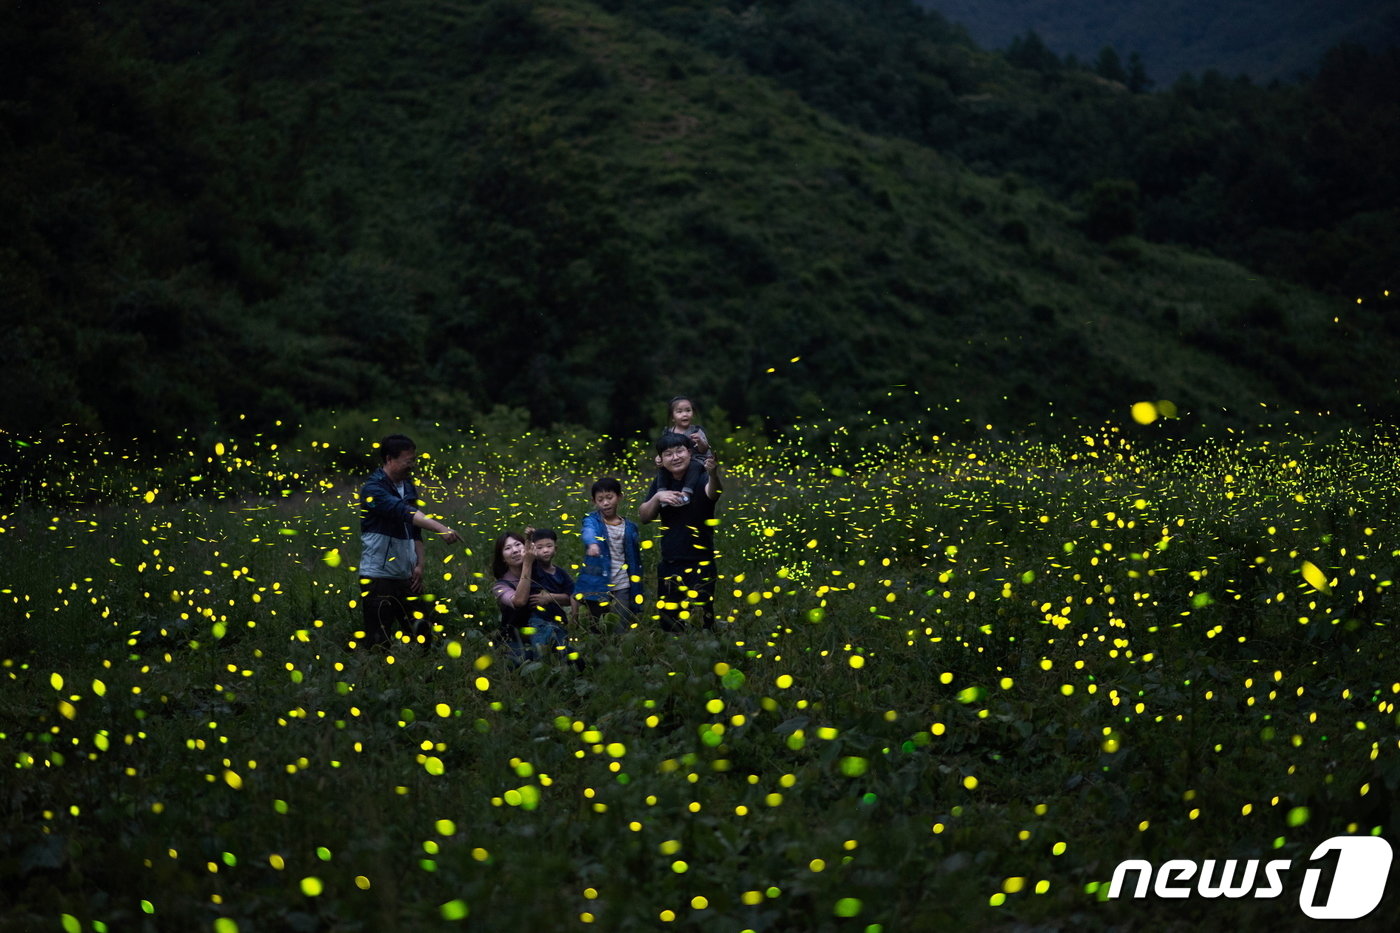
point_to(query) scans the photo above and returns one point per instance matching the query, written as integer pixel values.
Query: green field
(956, 684)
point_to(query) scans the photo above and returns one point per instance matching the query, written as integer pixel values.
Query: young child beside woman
(532, 595)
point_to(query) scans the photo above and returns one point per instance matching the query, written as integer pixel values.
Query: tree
(1029, 51)
(1138, 81)
(1110, 66)
(1112, 210)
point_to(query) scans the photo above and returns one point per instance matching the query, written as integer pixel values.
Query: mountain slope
(447, 207)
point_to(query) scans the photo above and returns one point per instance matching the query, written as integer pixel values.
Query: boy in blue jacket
(611, 580)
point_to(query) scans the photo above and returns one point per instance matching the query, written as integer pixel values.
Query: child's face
(682, 412)
(544, 551)
(606, 502)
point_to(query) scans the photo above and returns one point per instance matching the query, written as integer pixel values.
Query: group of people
(540, 603)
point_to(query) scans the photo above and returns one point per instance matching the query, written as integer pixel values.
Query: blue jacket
(593, 582)
(387, 532)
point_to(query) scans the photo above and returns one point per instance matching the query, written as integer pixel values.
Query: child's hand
(594, 550)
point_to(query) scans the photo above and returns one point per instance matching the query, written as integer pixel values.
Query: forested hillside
(260, 212)
(1290, 180)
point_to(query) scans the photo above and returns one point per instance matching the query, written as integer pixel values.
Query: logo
(1348, 888)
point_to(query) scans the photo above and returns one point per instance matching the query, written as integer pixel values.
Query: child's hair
(672, 439)
(671, 406)
(393, 445)
(606, 484)
(545, 534)
(498, 558)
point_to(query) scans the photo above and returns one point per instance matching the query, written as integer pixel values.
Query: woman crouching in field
(532, 620)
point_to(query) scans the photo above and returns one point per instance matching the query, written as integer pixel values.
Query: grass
(957, 684)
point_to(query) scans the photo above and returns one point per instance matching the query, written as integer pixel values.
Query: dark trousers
(618, 602)
(387, 613)
(685, 594)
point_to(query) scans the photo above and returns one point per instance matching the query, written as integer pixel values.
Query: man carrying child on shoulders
(686, 575)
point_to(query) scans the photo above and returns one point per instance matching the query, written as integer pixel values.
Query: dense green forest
(254, 213)
(1291, 180)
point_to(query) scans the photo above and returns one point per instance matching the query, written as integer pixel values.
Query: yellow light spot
(1144, 412)
(1315, 577)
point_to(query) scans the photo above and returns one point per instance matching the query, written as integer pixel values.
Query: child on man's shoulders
(681, 420)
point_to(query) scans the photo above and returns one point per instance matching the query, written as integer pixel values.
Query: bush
(1112, 209)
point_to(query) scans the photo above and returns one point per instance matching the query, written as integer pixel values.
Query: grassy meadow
(956, 682)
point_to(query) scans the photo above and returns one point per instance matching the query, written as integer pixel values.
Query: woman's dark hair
(498, 559)
(393, 445)
(606, 484)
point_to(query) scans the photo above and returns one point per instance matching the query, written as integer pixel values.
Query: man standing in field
(391, 546)
(685, 589)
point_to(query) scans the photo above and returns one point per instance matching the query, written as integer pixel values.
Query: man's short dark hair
(672, 439)
(545, 534)
(606, 484)
(393, 445)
